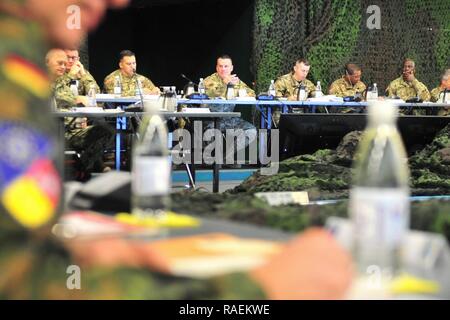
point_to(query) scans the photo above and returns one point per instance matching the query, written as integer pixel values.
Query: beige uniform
(287, 86)
(128, 84)
(215, 87)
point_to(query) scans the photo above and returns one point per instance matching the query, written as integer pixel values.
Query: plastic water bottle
(201, 86)
(318, 92)
(379, 198)
(372, 94)
(92, 99)
(117, 87)
(151, 166)
(272, 91)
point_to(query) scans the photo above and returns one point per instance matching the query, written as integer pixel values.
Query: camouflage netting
(327, 175)
(331, 33)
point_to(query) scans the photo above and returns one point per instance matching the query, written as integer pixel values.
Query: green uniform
(33, 264)
(287, 86)
(84, 83)
(128, 83)
(90, 141)
(435, 96)
(215, 87)
(343, 88)
(408, 90)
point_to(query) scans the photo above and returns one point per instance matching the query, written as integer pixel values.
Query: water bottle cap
(382, 112)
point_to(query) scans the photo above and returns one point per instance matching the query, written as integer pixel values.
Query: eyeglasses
(74, 58)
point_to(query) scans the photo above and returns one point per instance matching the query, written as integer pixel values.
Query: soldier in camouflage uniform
(407, 87)
(75, 71)
(33, 263)
(287, 85)
(91, 140)
(216, 86)
(349, 85)
(127, 75)
(437, 93)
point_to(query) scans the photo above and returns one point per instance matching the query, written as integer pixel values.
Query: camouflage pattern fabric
(128, 84)
(342, 88)
(408, 90)
(435, 96)
(92, 140)
(84, 83)
(31, 154)
(215, 87)
(287, 86)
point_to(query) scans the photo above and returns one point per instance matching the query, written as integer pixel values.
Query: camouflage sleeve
(243, 85)
(390, 90)
(148, 84)
(108, 84)
(64, 97)
(422, 90)
(336, 89)
(280, 88)
(214, 89)
(435, 94)
(85, 84)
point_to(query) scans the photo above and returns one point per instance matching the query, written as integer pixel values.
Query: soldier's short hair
(224, 56)
(351, 68)
(302, 60)
(409, 59)
(126, 53)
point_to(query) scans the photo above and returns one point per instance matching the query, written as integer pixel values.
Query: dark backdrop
(173, 37)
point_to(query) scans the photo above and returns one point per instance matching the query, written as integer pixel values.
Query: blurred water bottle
(230, 94)
(318, 91)
(272, 91)
(372, 93)
(379, 198)
(201, 86)
(92, 99)
(74, 87)
(151, 166)
(117, 87)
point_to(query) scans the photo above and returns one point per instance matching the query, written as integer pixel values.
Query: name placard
(283, 198)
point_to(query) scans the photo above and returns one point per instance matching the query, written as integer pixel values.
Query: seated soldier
(216, 86)
(437, 94)
(75, 72)
(127, 75)
(91, 139)
(408, 87)
(349, 84)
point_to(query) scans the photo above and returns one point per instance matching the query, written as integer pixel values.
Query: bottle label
(117, 90)
(151, 176)
(380, 215)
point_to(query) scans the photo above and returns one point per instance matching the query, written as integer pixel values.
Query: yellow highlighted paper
(406, 284)
(169, 220)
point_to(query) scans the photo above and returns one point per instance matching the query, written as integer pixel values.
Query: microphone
(186, 78)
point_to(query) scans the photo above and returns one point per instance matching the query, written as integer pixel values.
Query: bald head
(56, 60)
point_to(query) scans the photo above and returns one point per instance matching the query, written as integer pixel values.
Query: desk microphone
(186, 78)
(138, 87)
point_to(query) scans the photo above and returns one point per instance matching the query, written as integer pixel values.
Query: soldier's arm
(279, 88)
(421, 89)
(390, 90)
(108, 84)
(434, 94)
(86, 81)
(336, 90)
(243, 85)
(149, 87)
(212, 89)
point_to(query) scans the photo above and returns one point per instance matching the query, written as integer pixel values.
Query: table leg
(216, 166)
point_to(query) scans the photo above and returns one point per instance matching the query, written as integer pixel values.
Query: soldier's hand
(83, 100)
(231, 78)
(408, 76)
(77, 70)
(312, 266)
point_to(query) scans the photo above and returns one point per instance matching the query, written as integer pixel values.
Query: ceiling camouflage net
(332, 33)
